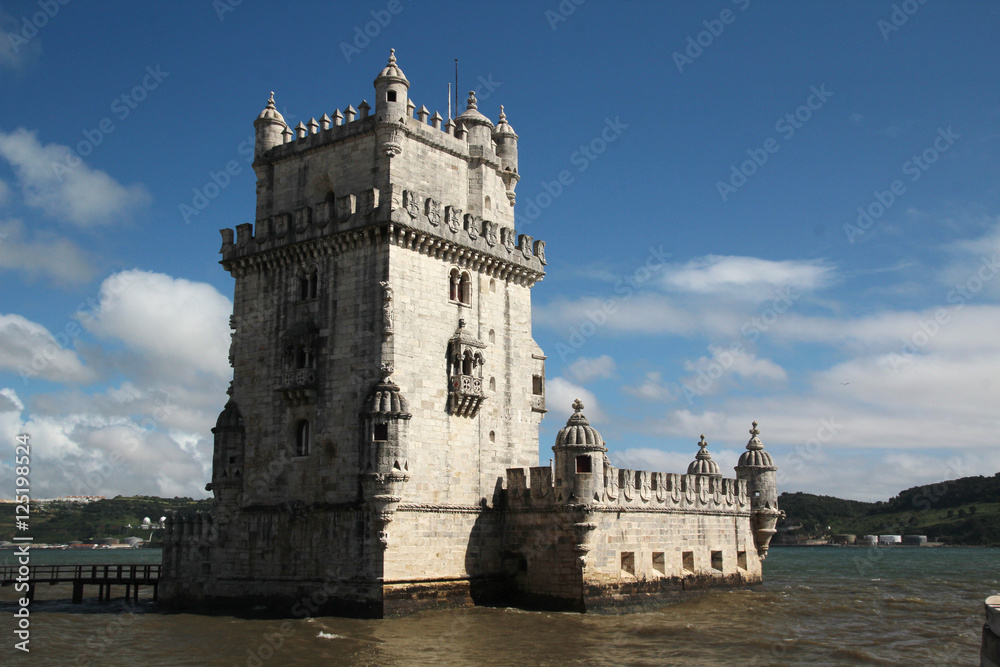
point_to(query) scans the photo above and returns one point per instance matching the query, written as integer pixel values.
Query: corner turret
(579, 460)
(228, 455)
(269, 129)
(479, 127)
(391, 88)
(757, 467)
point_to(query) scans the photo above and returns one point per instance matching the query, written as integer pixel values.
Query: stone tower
(384, 371)
(758, 469)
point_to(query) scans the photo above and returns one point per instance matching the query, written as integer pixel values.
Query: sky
(781, 211)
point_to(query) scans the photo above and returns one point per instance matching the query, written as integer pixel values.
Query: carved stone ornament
(432, 210)
(411, 203)
(345, 208)
(301, 219)
(526, 246)
(507, 238)
(281, 225)
(471, 224)
(453, 216)
(490, 233)
(540, 251)
(386, 307)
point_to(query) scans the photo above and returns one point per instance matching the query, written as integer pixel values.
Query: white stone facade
(387, 394)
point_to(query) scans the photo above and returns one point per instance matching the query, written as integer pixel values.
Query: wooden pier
(102, 576)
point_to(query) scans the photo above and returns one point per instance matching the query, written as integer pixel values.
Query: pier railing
(102, 575)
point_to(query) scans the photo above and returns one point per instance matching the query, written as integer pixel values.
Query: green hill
(962, 511)
(59, 522)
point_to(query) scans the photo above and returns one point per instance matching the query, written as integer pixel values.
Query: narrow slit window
(302, 438)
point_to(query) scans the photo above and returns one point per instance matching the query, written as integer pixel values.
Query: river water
(819, 606)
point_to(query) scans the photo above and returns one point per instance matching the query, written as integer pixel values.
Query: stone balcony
(465, 395)
(298, 387)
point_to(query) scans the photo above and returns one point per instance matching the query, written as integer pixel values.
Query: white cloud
(560, 394)
(588, 369)
(746, 277)
(16, 52)
(79, 194)
(44, 254)
(652, 388)
(29, 350)
(180, 328)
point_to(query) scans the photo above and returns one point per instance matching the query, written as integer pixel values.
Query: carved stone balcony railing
(298, 386)
(465, 395)
(538, 403)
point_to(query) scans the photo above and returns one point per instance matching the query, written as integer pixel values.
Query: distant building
(889, 539)
(914, 540)
(387, 394)
(844, 539)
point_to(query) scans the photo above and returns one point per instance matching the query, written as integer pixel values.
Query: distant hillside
(962, 511)
(62, 522)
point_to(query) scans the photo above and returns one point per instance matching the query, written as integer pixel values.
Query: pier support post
(77, 591)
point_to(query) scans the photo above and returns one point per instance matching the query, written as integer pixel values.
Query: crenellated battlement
(437, 227)
(632, 489)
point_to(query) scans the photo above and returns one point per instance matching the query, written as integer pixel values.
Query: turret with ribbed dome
(703, 463)
(479, 127)
(391, 87)
(228, 454)
(579, 460)
(268, 128)
(757, 467)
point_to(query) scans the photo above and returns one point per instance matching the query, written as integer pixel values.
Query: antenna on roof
(449, 101)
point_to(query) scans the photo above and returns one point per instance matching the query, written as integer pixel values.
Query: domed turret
(757, 467)
(579, 460)
(391, 87)
(269, 128)
(506, 140)
(227, 458)
(479, 127)
(703, 463)
(384, 467)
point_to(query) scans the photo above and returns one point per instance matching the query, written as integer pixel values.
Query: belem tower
(375, 455)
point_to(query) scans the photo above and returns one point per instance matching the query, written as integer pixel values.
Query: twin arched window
(309, 283)
(460, 287)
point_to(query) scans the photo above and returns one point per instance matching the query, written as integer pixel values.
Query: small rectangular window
(659, 563)
(717, 560)
(583, 464)
(390, 96)
(381, 432)
(741, 559)
(536, 385)
(687, 561)
(628, 562)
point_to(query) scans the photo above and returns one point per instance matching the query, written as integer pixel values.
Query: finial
(270, 100)
(755, 443)
(754, 432)
(503, 116)
(471, 102)
(702, 442)
(578, 405)
(392, 57)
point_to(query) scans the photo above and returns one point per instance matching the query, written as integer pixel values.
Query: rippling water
(820, 606)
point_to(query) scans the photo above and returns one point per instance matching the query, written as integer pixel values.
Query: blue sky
(781, 211)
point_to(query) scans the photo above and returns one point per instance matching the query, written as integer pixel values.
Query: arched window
(465, 289)
(303, 357)
(309, 284)
(493, 384)
(453, 283)
(302, 438)
(467, 364)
